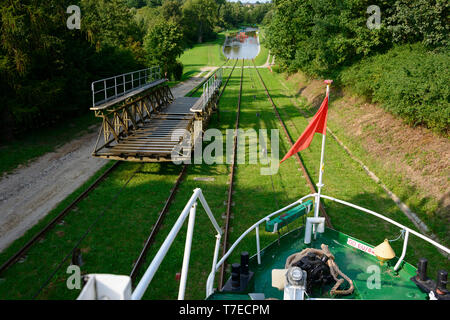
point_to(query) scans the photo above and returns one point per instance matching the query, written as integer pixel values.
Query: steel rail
(162, 214)
(155, 229)
(291, 142)
(230, 187)
(223, 89)
(55, 220)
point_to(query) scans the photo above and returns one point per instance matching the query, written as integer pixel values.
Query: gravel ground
(29, 193)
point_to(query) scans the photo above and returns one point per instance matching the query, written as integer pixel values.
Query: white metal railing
(210, 280)
(190, 209)
(107, 89)
(211, 277)
(210, 86)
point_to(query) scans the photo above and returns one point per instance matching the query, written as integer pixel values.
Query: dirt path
(183, 88)
(28, 194)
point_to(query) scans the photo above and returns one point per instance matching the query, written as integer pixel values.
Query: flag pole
(320, 184)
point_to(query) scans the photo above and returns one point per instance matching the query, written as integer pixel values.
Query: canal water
(242, 45)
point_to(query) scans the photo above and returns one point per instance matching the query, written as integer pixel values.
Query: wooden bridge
(143, 122)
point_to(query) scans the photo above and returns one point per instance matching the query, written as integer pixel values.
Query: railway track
(162, 214)
(60, 216)
(155, 229)
(42, 233)
(223, 89)
(230, 187)
(291, 142)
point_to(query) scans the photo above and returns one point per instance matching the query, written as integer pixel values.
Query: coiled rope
(334, 269)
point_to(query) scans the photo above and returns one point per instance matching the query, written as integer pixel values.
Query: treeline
(403, 62)
(224, 14)
(198, 20)
(46, 68)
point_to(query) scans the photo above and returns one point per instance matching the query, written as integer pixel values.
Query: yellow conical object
(384, 251)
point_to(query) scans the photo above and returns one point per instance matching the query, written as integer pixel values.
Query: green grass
(346, 180)
(428, 209)
(29, 146)
(208, 54)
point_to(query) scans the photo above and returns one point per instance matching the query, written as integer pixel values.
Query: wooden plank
(153, 139)
(139, 151)
(133, 143)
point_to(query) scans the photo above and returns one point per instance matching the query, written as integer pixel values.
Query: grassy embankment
(428, 207)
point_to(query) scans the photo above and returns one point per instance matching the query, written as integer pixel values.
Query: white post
(258, 246)
(320, 184)
(156, 262)
(187, 252)
(405, 245)
(213, 269)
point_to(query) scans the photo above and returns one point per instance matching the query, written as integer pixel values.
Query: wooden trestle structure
(143, 122)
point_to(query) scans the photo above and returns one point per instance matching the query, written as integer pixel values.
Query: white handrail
(210, 280)
(187, 252)
(190, 208)
(147, 75)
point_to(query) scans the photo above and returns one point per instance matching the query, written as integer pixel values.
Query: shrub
(408, 81)
(276, 69)
(177, 70)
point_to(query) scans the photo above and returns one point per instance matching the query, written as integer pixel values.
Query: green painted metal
(286, 218)
(360, 266)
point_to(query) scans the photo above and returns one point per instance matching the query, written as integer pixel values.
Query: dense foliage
(326, 37)
(46, 68)
(409, 81)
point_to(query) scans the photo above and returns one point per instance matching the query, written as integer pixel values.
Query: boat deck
(351, 261)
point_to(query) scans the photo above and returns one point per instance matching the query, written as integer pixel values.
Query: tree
(163, 44)
(199, 17)
(46, 69)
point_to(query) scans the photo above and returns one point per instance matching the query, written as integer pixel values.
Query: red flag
(317, 124)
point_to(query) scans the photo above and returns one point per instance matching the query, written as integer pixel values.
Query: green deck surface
(352, 262)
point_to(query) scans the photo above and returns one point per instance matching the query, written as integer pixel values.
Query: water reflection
(242, 45)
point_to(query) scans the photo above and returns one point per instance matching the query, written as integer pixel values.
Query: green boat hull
(362, 267)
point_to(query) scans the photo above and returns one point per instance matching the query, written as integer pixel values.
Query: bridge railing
(108, 89)
(211, 85)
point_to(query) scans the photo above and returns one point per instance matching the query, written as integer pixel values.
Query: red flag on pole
(317, 124)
